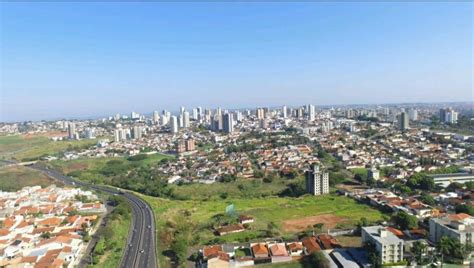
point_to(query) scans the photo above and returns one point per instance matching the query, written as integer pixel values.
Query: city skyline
(229, 55)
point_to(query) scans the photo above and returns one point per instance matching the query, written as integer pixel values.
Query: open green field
(94, 165)
(14, 178)
(360, 171)
(276, 211)
(243, 188)
(28, 147)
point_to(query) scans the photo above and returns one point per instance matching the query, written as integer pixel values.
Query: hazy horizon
(77, 60)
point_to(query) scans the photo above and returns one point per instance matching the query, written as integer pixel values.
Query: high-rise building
(452, 117)
(217, 123)
(90, 133)
(442, 115)
(185, 146)
(71, 130)
(228, 125)
(156, 117)
(186, 119)
(181, 121)
(174, 124)
(190, 145)
(195, 114)
(136, 132)
(120, 134)
(311, 112)
(181, 111)
(134, 116)
(403, 121)
(181, 147)
(349, 113)
(448, 115)
(199, 110)
(413, 114)
(317, 182)
(238, 116)
(260, 112)
(299, 112)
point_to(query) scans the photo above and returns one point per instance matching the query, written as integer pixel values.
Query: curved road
(140, 249)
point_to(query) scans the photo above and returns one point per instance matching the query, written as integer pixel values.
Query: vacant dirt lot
(297, 225)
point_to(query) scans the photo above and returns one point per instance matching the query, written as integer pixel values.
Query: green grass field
(268, 210)
(14, 178)
(24, 148)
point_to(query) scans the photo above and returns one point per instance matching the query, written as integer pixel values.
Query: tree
(419, 250)
(465, 208)
(373, 257)
(46, 235)
(180, 249)
(100, 246)
(318, 227)
(316, 260)
(427, 199)
(444, 246)
(405, 221)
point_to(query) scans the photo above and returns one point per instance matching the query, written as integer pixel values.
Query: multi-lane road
(140, 250)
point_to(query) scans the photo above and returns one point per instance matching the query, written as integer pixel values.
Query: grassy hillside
(28, 147)
(14, 178)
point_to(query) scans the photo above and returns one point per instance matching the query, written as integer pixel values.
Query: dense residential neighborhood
(46, 227)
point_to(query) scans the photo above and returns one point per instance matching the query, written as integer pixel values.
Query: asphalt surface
(140, 249)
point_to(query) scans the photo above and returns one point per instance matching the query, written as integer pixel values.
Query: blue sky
(85, 59)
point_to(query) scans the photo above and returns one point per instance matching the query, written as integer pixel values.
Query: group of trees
(178, 235)
(465, 208)
(451, 249)
(404, 221)
(107, 240)
(421, 181)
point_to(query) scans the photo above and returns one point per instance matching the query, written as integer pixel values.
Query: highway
(140, 249)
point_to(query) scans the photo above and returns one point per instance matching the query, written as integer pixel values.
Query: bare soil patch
(298, 225)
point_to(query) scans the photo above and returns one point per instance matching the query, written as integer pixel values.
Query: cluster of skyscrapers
(121, 134)
(448, 115)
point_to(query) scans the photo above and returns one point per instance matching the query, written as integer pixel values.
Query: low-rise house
(279, 253)
(311, 245)
(259, 250)
(219, 260)
(295, 248)
(328, 241)
(245, 219)
(230, 229)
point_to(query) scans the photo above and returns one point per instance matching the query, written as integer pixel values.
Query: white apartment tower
(317, 182)
(311, 112)
(186, 119)
(174, 124)
(71, 130)
(284, 111)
